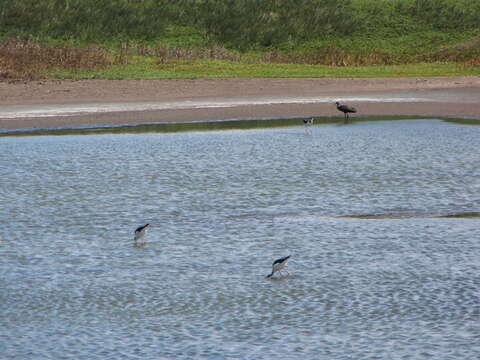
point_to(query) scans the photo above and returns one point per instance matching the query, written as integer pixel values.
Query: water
(223, 205)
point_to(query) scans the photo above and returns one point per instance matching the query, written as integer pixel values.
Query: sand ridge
(447, 96)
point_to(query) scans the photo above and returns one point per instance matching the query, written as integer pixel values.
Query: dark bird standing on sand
(345, 109)
(279, 265)
(140, 232)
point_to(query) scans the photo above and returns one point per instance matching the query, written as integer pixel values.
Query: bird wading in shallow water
(279, 265)
(308, 123)
(140, 232)
(345, 109)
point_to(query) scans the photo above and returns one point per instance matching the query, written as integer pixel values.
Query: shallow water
(377, 271)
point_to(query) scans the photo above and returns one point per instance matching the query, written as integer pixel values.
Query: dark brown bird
(345, 109)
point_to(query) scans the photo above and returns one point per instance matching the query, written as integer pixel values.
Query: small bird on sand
(279, 265)
(140, 232)
(345, 109)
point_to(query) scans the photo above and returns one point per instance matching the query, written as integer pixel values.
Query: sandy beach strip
(73, 103)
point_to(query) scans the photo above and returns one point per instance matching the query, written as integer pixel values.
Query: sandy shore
(67, 103)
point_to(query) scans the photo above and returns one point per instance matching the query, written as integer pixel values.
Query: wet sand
(68, 103)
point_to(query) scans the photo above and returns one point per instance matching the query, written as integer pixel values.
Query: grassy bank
(21, 59)
(219, 38)
(199, 68)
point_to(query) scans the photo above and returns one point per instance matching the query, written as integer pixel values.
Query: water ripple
(381, 220)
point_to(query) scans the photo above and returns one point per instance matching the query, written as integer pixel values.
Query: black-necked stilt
(140, 232)
(345, 109)
(279, 265)
(307, 122)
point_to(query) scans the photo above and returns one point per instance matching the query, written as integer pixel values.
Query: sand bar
(72, 103)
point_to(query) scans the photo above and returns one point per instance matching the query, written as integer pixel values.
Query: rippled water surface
(377, 272)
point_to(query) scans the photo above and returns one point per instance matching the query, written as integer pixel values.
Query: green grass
(414, 43)
(146, 68)
(388, 46)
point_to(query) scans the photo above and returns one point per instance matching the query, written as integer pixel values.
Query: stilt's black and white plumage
(140, 232)
(308, 122)
(345, 109)
(279, 265)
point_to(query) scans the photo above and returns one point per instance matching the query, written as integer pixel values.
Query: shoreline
(91, 103)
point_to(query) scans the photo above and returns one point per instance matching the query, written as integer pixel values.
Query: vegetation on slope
(87, 35)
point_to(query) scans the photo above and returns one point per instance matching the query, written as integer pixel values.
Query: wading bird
(279, 265)
(345, 109)
(140, 232)
(308, 122)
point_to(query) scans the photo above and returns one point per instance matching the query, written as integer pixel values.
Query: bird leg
(283, 271)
